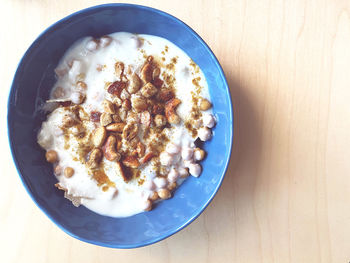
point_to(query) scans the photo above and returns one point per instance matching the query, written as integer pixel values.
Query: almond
(115, 127)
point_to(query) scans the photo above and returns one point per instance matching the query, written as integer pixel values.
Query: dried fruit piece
(99, 136)
(158, 82)
(116, 88)
(95, 116)
(131, 161)
(124, 171)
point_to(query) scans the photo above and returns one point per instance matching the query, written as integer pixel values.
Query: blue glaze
(30, 88)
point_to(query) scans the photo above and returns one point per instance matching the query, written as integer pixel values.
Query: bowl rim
(230, 118)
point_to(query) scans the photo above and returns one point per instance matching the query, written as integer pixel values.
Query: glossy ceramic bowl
(32, 82)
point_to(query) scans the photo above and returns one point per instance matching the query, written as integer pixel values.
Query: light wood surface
(286, 196)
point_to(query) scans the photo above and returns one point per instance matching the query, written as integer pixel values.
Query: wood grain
(285, 197)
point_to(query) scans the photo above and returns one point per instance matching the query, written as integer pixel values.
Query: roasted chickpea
(51, 156)
(164, 193)
(205, 104)
(68, 172)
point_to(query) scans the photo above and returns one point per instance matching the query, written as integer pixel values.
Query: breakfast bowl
(31, 88)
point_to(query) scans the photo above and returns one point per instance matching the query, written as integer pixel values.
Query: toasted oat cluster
(128, 131)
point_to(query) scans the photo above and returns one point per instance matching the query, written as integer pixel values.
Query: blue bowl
(30, 88)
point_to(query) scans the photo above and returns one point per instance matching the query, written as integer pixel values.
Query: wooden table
(285, 197)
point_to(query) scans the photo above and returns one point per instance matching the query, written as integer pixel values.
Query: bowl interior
(31, 85)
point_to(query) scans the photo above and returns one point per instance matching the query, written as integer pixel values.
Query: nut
(116, 118)
(117, 101)
(116, 88)
(146, 73)
(139, 103)
(170, 111)
(159, 120)
(124, 95)
(133, 142)
(145, 119)
(83, 116)
(155, 73)
(108, 106)
(116, 127)
(123, 114)
(95, 157)
(131, 161)
(140, 149)
(109, 149)
(68, 172)
(164, 193)
(105, 119)
(51, 156)
(99, 136)
(132, 117)
(68, 121)
(205, 104)
(135, 84)
(126, 104)
(165, 95)
(130, 131)
(149, 90)
(119, 69)
(158, 83)
(157, 109)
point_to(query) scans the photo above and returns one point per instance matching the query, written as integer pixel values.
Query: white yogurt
(94, 64)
